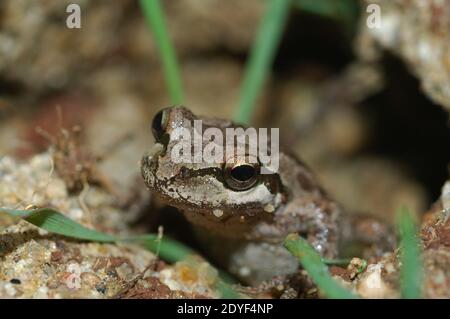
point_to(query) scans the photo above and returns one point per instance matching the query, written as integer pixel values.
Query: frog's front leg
(252, 261)
(263, 257)
(328, 230)
(373, 236)
(314, 218)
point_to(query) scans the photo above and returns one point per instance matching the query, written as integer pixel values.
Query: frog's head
(225, 191)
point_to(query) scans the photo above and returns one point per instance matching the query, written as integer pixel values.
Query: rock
(191, 276)
(381, 279)
(372, 285)
(417, 31)
(37, 264)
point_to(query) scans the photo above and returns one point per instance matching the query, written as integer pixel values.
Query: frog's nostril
(159, 124)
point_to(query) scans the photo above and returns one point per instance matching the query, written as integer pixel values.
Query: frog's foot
(375, 236)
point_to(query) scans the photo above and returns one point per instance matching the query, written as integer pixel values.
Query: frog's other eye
(159, 125)
(241, 176)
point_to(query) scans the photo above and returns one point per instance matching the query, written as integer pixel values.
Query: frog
(240, 215)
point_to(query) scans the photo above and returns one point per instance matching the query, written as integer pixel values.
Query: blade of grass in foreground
(312, 263)
(56, 223)
(411, 270)
(155, 18)
(261, 57)
(168, 249)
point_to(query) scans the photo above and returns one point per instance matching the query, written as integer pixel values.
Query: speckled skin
(246, 235)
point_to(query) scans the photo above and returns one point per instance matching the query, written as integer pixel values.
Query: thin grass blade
(261, 57)
(312, 263)
(411, 270)
(167, 248)
(57, 223)
(154, 15)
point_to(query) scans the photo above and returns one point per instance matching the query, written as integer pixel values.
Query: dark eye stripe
(190, 172)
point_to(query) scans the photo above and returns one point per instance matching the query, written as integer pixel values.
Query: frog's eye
(241, 176)
(159, 125)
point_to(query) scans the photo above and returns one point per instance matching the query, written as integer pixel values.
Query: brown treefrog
(239, 214)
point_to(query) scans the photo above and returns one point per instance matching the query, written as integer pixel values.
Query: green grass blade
(168, 249)
(312, 263)
(336, 262)
(261, 57)
(154, 15)
(411, 271)
(226, 291)
(57, 223)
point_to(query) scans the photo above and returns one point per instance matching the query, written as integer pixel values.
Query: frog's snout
(151, 156)
(149, 167)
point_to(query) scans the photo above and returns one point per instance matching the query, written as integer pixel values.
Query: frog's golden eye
(159, 125)
(241, 176)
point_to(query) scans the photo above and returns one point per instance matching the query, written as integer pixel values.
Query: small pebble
(269, 208)
(244, 271)
(15, 281)
(218, 213)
